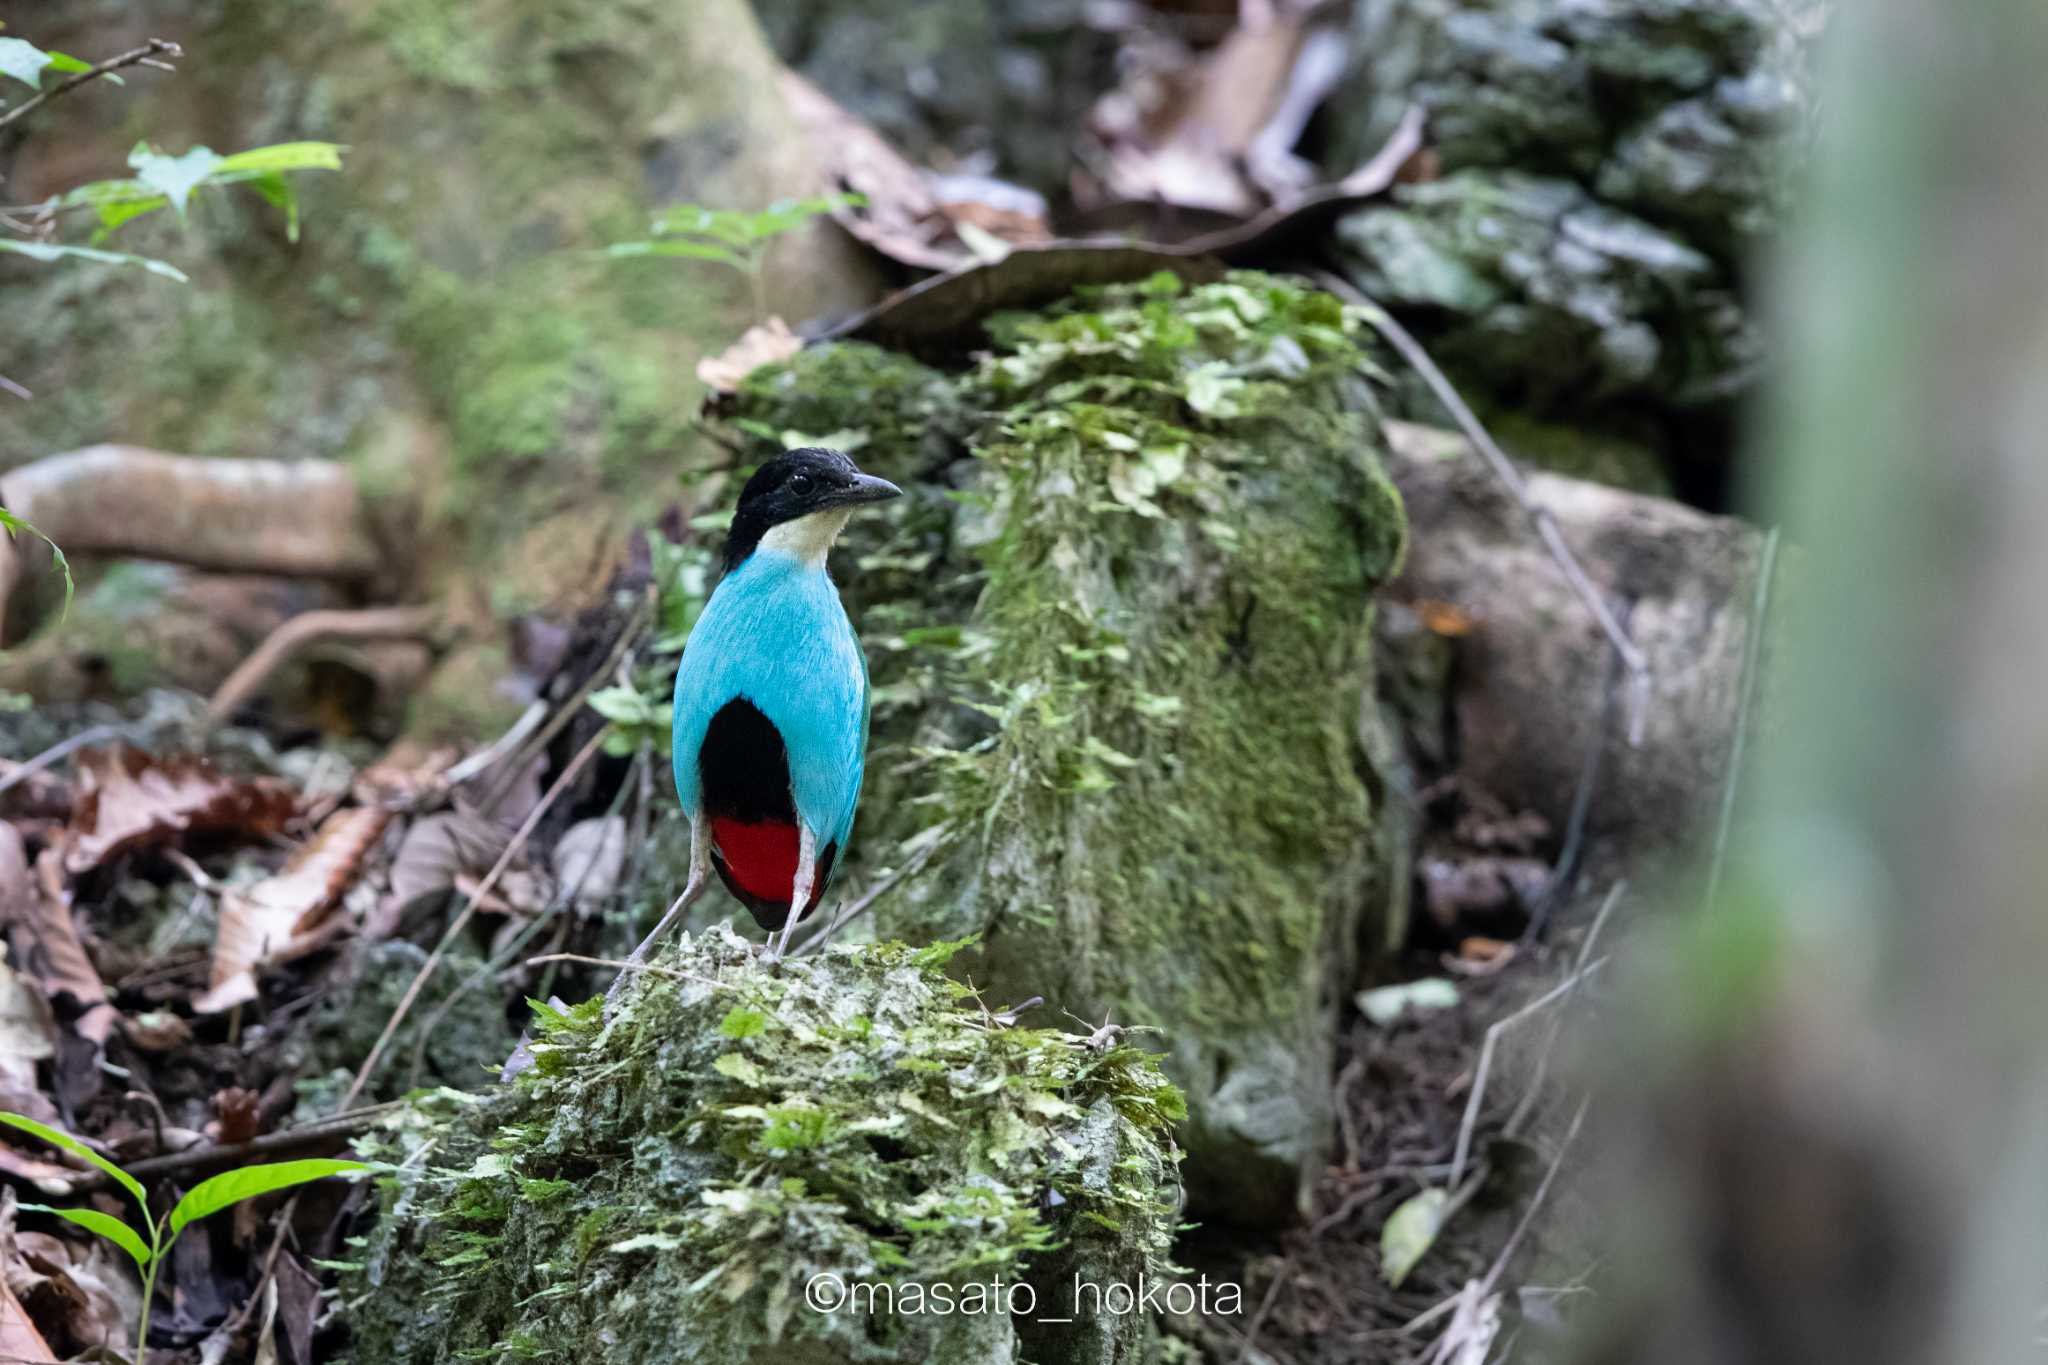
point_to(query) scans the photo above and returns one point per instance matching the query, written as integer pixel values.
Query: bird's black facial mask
(796, 484)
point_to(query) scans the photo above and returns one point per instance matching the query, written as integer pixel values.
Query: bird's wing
(821, 712)
(787, 647)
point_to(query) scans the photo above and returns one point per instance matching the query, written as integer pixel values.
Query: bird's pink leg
(700, 872)
(800, 892)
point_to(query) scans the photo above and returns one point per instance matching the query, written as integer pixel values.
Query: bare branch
(146, 55)
(307, 628)
(1504, 469)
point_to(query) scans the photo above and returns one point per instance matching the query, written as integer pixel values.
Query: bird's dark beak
(866, 488)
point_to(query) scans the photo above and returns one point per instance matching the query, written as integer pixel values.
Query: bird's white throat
(807, 539)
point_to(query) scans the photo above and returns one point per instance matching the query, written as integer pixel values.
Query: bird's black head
(794, 485)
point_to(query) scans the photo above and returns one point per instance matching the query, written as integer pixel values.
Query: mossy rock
(1120, 641)
(443, 323)
(666, 1187)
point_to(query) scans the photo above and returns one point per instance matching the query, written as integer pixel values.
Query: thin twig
(481, 761)
(59, 751)
(154, 48)
(1557, 886)
(1537, 1073)
(820, 937)
(1738, 743)
(1251, 1329)
(623, 965)
(461, 921)
(306, 1135)
(628, 634)
(375, 623)
(16, 389)
(1504, 469)
(564, 897)
(1500, 1262)
(1486, 1049)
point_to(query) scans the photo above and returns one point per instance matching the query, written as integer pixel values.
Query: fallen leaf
(1197, 125)
(157, 1030)
(37, 913)
(1479, 955)
(1384, 1004)
(237, 1109)
(127, 799)
(298, 1307)
(900, 217)
(1443, 618)
(762, 344)
(85, 1292)
(439, 849)
(19, 1339)
(28, 1031)
(1470, 887)
(1409, 1232)
(590, 859)
(279, 918)
(945, 312)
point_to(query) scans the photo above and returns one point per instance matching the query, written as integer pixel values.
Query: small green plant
(14, 525)
(160, 180)
(207, 1197)
(732, 238)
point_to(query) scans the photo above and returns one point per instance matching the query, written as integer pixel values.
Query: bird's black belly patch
(744, 767)
(745, 771)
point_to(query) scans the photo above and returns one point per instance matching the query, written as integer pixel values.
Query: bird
(771, 701)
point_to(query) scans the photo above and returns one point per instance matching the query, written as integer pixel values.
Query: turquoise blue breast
(774, 632)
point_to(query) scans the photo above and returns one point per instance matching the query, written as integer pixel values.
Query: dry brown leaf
(84, 1292)
(439, 849)
(901, 218)
(28, 1031)
(19, 1339)
(127, 799)
(1189, 144)
(157, 1031)
(36, 910)
(1444, 618)
(1489, 953)
(762, 344)
(239, 1119)
(280, 917)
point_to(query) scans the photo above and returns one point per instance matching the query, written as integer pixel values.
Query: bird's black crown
(795, 484)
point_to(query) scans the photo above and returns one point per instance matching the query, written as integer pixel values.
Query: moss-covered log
(1120, 645)
(748, 1160)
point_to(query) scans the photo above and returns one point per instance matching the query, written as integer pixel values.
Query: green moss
(736, 1131)
(1120, 653)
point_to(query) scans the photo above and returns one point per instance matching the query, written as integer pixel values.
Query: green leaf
(232, 1187)
(51, 251)
(174, 176)
(80, 1150)
(278, 191)
(113, 1229)
(64, 61)
(696, 251)
(1410, 1231)
(24, 61)
(628, 706)
(16, 525)
(279, 157)
(742, 1023)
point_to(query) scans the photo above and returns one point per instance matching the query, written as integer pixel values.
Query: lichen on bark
(1120, 648)
(665, 1187)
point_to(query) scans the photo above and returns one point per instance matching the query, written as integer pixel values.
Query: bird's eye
(800, 484)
